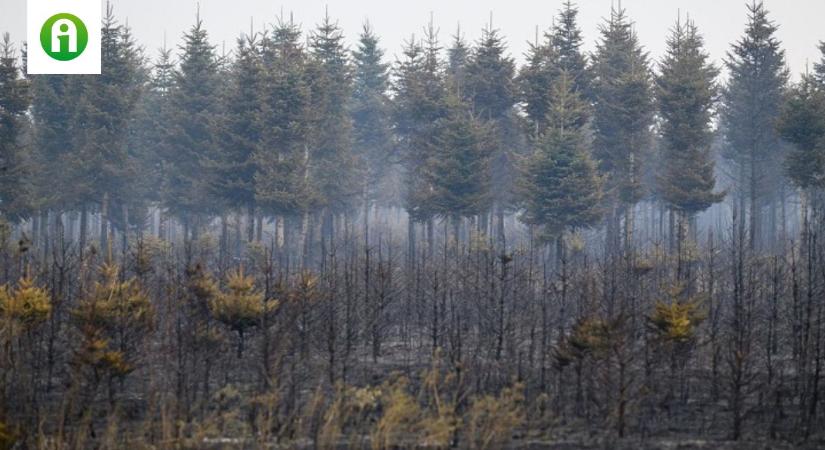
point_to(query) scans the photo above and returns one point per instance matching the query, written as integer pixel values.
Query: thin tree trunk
(84, 228)
(250, 230)
(125, 237)
(104, 225)
(162, 232)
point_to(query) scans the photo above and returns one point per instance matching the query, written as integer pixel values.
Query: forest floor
(562, 444)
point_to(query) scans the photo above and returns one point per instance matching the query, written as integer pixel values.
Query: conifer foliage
(751, 107)
(623, 113)
(371, 108)
(561, 188)
(194, 104)
(15, 159)
(802, 123)
(281, 156)
(686, 94)
(241, 307)
(459, 172)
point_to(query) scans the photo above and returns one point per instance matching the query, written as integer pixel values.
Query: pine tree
(490, 86)
(560, 188)
(534, 80)
(333, 169)
(802, 123)
(24, 307)
(567, 41)
(194, 105)
(100, 126)
(281, 180)
(163, 80)
(235, 166)
(54, 98)
(15, 170)
(241, 307)
(150, 126)
(490, 74)
(752, 101)
(112, 321)
(686, 93)
(458, 55)
(819, 67)
(459, 171)
(370, 112)
(134, 197)
(623, 114)
(546, 60)
(420, 92)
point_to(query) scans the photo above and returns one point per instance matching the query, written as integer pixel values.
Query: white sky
(720, 21)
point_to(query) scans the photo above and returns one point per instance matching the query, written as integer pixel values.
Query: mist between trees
(295, 243)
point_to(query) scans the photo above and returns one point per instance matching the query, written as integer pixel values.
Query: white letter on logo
(64, 27)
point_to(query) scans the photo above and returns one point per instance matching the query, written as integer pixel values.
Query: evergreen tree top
(567, 40)
(163, 71)
(686, 65)
(286, 36)
(457, 57)
(686, 93)
(567, 109)
(560, 187)
(327, 43)
(198, 55)
(754, 93)
(490, 76)
(819, 67)
(411, 54)
(123, 58)
(491, 44)
(432, 49)
(619, 50)
(759, 47)
(14, 93)
(283, 45)
(10, 95)
(369, 64)
(534, 78)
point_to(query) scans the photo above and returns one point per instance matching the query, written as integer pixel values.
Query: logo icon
(64, 37)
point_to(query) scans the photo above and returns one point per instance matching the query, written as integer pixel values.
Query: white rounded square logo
(63, 36)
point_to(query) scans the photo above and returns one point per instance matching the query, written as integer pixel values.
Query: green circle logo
(64, 37)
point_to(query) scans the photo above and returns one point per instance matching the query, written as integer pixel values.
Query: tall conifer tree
(752, 101)
(148, 138)
(282, 180)
(332, 163)
(458, 55)
(560, 189)
(370, 111)
(802, 123)
(100, 127)
(686, 93)
(460, 169)
(534, 81)
(420, 92)
(623, 115)
(241, 129)
(819, 67)
(194, 104)
(15, 169)
(491, 89)
(567, 40)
